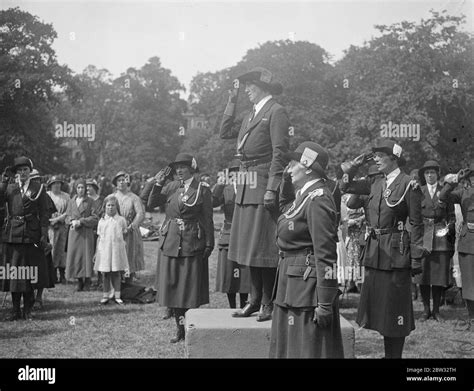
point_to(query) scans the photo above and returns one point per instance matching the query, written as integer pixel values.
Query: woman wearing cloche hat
(306, 306)
(186, 240)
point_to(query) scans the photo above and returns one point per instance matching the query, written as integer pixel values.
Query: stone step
(214, 333)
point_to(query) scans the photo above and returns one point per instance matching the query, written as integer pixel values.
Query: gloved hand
(269, 200)
(323, 315)
(416, 267)
(160, 177)
(451, 178)
(207, 252)
(463, 174)
(7, 174)
(286, 175)
(234, 92)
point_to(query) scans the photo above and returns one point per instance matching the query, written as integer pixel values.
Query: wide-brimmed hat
(54, 179)
(263, 78)
(390, 147)
(430, 164)
(311, 155)
(119, 174)
(93, 183)
(185, 158)
(22, 161)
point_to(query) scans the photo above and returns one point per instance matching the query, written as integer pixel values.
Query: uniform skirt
(295, 335)
(24, 267)
(231, 277)
(183, 282)
(385, 302)
(253, 237)
(466, 264)
(436, 269)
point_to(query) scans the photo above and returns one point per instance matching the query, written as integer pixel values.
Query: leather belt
(295, 253)
(21, 218)
(434, 221)
(383, 231)
(255, 162)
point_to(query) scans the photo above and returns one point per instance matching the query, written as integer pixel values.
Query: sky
(204, 36)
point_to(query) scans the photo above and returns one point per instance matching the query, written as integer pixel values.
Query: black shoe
(438, 317)
(176, 339)
(266, 313)
(15, 315)
(426, 315)
(245, 312)
(27, 315)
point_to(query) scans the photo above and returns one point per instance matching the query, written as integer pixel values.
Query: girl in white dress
(111, 253)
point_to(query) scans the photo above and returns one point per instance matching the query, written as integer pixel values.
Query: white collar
(187, 183)
(260, 104)
(391, 176)
(308, 184)
(26, 184)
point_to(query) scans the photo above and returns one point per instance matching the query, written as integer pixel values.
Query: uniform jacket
(393, 250)
(437, 217)
(465, 198)
(268, 137)
(27, 216)
(307, 223)
(187, 230)
(356, 201)
(224, 195)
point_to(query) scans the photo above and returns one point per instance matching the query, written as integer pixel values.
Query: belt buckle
(281, 254)
(470, 225)
(180, 223)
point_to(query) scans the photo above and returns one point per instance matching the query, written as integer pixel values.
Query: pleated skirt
(436, 268)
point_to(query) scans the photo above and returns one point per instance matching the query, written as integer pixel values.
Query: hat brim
(55, 181)
(114, 180)
(253, 77)
(96, 187)
(296, 156)
(421, 173)
(401, 160)
(185, 162)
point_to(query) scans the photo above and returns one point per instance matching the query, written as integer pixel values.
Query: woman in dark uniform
(186, 241)
(439, 237)
(390, 256)
(464, 196)
(306, 307)
(25, 236)
(231, 277)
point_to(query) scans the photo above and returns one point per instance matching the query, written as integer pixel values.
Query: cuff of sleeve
(230, 109)
(326, 294)
(274, 183)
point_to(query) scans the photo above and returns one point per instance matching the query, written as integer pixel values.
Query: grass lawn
(73, 325)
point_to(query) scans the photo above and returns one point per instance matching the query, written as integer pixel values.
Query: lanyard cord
(401, 198)
(197, 196)
(290, 213)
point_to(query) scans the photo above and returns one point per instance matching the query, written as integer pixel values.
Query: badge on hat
(194, 163)
(397, 150)
(387, 193)
(308, 157)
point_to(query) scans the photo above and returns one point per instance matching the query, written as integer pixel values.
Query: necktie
(252, 116)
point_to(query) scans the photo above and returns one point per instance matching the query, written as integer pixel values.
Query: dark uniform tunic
(465, 198)
(306, 276)
(231, 277)
(252, 239)
(439, 237)
(183, 278)
(26, 223)
(385, 302)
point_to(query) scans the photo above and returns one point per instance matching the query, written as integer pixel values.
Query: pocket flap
(298, 271)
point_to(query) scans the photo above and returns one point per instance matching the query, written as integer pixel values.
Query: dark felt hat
(93, 183)
(263, 78)
(430, 164)
(390, 147)
(311, 155)
(22, 161)
(185, 158)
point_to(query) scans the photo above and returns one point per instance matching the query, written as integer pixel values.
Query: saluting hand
(269, 200)
(323, 315)
(160, 177)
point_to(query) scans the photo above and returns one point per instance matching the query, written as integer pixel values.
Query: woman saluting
(186, 241)
(306, 312)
